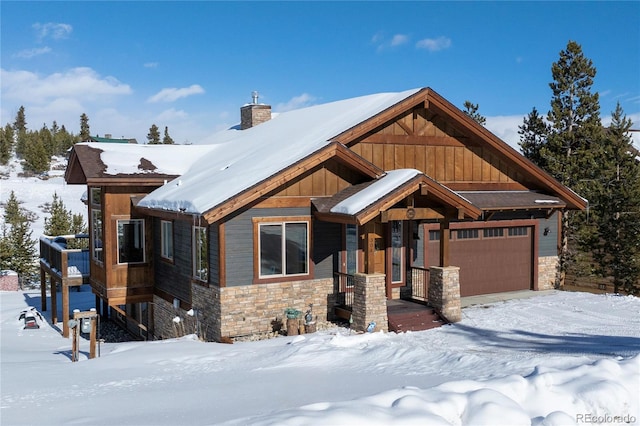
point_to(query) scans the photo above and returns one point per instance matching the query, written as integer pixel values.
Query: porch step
(410, 316)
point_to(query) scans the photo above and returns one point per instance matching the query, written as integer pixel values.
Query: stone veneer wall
(234, 312)
(370, 302)
(547, 272)
(258, 310)
(444, 291)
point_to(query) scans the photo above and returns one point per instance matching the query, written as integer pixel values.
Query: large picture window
(200, 254)
(130, 241)
(166, 239)
(283, 248)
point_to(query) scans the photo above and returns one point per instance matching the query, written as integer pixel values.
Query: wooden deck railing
(62, 260)
(419, 283)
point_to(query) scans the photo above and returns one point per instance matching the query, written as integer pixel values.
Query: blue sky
(191, 65)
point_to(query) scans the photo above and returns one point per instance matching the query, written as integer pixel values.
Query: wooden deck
(405, 315)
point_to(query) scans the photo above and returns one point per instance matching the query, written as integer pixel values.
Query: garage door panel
(490, 264)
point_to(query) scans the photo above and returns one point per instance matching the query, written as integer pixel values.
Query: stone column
(444, 291)
(370, 302)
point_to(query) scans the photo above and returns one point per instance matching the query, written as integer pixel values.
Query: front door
(396, 256)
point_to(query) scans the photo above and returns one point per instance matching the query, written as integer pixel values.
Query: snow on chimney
(254, 113)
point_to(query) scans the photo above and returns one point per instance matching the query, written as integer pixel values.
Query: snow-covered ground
(34, 192)
(558, 359)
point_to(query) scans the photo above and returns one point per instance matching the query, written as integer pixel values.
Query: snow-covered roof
(131, 159)
(244, 158)
(372, 193)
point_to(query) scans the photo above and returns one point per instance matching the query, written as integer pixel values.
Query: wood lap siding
(174, 278)
(239, 242)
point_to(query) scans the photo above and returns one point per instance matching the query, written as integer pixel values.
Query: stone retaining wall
(253, 311)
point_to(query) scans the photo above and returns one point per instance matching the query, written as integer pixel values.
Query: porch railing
(344, 283)
(419, 282)
(64, 261)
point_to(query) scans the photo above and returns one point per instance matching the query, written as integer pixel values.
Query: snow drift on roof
(372, 193)
(245, 158)
(159, 159)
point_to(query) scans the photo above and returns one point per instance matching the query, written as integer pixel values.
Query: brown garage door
(491, 260)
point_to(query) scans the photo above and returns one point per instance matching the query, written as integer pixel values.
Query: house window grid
(166, 239)
(200, 254)
(493, 233)
(130, 242)
(282, 270)
(518, 231)
(467, 234)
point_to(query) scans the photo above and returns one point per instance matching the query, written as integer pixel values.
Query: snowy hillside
(559, 359)
(34, 192)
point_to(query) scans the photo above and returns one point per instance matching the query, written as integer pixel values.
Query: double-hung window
(200, 254)
(283, 248)
(130, 241)
(166, 239)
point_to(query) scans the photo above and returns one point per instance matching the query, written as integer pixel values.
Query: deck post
(370, 302)
(43, 290)
(54, 300)
(65, 309)
(444, 291)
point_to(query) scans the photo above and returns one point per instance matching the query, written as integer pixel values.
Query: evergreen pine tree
(533, 136)
(471, 110)
(18, 251)
(13, 212)
(153, 137)
(36, 156)
(59, 223)
(20, 127)
(23, 251)
(6, 144)
(6, 250)
(167, 140)
(615, 208)
(85, 131)
(574, 137)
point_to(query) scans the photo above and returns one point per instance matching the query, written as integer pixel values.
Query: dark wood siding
(239, 242)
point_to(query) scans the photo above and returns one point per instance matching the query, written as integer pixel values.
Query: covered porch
(379, 261)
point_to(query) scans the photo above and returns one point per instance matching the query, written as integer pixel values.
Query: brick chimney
(254, 113)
